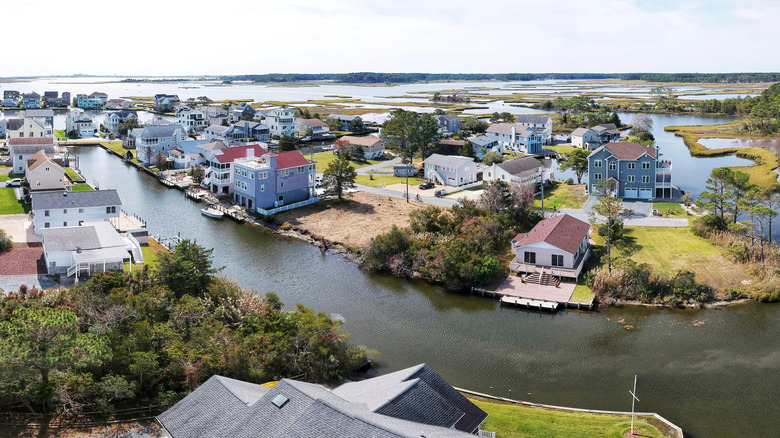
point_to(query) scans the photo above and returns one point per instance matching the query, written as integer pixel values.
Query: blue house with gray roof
(155, 139)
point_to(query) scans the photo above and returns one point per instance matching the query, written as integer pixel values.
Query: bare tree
(641, 123)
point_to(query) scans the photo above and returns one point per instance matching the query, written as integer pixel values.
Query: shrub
(569, 181)
(5, 242)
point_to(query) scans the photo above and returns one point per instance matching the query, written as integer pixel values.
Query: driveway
(641, 215)
(18, 227)
(377, 166)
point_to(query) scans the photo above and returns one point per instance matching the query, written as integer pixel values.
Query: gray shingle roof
(31, 149)
(156, 131)
(453, 161)
(580, 131)
(70, 238)
(14, 124)
(520, 165)
(97, 198)
(482, 140)
(533, 119)
(223, 407)
(39, 113)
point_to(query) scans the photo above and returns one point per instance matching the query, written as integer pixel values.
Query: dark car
(426, 185)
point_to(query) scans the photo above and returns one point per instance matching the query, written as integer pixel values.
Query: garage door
(630, 193)
(646, 193)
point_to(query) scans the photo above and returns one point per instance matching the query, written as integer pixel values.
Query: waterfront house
(529, 140)
(541, 124)
(593, 137)
(345, 121)
(45, 173)
(89, 248)
(483, 144)
(448, 123)
(247, 130)
(29, 128)
(504, 133)
(165, 102)
(21, 149)
(280, 121)
(517, 137)
(219, 174)
(215, 115)
(44, 117)
(635, 170)
(314, 128)
(80, 122)
(118, 104)
(114, 119)
(192, 153)
(68, 209)
(557, 246)
(31, 100)
(155, 139)
(191, 119)
(411, 403)
(264, 182)
(96, 100)
(524, 171)
(450, 147)
(451, 170)
(217, 133)
(11, 98)
(372, 146)
(242, 111)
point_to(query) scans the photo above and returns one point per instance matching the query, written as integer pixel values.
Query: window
(65, 211)
(81, 210)
(111, 209)
(281, 184)
(597, 177)
(64, 224)
(285, 172)
(645, 165)
(645, 179)
(597, 163)
(631, 178)
(529, 257)
(301, 169)
(46, 213)
(262, 187)
(281, 198)
(612, 165)
(632, 165)
(46, 225)
(557, 260)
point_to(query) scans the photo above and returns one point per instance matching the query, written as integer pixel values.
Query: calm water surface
(713, 372)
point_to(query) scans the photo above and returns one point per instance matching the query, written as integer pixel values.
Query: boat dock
(523, 292)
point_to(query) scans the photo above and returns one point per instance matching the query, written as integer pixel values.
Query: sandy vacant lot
(351, 223)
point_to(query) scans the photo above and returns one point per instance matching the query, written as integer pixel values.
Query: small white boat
(211, 212)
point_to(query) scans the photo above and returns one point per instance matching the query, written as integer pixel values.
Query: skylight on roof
(279, 400)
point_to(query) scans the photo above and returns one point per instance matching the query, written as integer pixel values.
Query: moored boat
(211, 212)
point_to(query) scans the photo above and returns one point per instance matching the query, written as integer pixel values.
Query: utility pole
(633, 400)
(542, 184)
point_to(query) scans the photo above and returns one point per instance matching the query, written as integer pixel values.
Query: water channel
(715, 372)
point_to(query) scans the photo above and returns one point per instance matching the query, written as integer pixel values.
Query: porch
(519, 267)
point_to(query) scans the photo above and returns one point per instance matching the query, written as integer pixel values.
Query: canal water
(714, 372)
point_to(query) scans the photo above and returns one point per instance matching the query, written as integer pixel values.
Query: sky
(194, 37)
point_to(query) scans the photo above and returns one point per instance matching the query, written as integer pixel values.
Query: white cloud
(238, 37)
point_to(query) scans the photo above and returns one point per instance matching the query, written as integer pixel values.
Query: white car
(16, 182)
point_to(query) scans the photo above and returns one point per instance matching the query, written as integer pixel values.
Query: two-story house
(280, 121)
(45, 173)
(634, 169)
(219, 174)
(152, 140)
(345, 121)
(558, 246)
(29, 128)
(42, 116)
(273, 180)
(448, 123)
(451, 170)
(96, 100)
(165, 102)
(215, 115)
(595, 136)
(314, 128)
(524, 171)
(11, 98)
(80, 122)
(372, 146)
(70, 209)
(541, 124)
(483, 144)
(517, 137)
(21, 149)
(247, 130)
(31, 100)
(114, 119)
(118, 104)
(192, 119)
(242, 111)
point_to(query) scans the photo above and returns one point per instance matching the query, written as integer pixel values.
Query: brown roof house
(557, 246)
(45, 173)
(373, 146)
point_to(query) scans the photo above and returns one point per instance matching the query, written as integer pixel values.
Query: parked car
(426, 185)
(16, 182)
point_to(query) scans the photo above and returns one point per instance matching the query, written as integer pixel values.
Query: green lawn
(73, 175)
(562, 196)
(81, 188)
(150, 253)
(582, 294)
(561, 149)
(60, 134)
(517, 421)
(380, 180)
(9, 204)
(117, 147)
(327, 157)
(670, 209)
(4, 177)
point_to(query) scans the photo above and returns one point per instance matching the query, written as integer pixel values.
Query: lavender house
(273, 180)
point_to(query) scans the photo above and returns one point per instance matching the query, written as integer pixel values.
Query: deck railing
(282, 208)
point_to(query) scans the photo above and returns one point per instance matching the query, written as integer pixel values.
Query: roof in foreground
(96, 198)
(225, 407)
(93, 235)
(565, 232)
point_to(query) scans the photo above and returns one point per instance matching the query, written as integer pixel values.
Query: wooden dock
(533, 303)
(551, 306)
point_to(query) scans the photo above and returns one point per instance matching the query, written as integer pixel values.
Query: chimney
(250, 152)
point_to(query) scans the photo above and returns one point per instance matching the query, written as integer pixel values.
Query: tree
(286, 143)
(491, 158)
(763, 215)
(467, 150)
(607, 213)
(425, 134)
(716, 195)
(339, 176)
(197, 174)
(5, 242)
(474, 125)
(356, 153)
(770, 198)
(641, 123)
(738, 187)
(128, 125)
(577, 161)
(187, 269)
(161, 160)
(399, 128)
(356, 125)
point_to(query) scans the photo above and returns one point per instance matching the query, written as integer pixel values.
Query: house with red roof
(219, 174)
(558, 246)
(274, 180)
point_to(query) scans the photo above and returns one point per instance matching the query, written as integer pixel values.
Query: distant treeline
(379, 78)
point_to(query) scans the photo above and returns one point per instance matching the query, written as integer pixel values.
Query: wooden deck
(514, 287)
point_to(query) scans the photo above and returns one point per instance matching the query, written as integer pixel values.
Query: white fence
(265, 212)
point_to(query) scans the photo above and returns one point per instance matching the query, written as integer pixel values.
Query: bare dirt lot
(354, 222)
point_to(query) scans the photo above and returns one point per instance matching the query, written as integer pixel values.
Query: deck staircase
(542, 278)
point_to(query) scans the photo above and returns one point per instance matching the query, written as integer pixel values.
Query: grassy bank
(81, 188)
(323, 159)
(385, 180)
(519, 421)
(562, 196)
(75, 177)
(150, 253)
(766, 161)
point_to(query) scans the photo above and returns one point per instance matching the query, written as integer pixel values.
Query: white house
(121, 104)
(21, 149)
(541, 124)
(280, 121)
(79, 121)
(68, 209)
(29, 128)
(557, 246)
(372, 146)
(192, 119)
(91, 248)
(114, 119)
(526, 171)
(451, 170)
(484, 144)
(584, 138)
(504, 133)
(318, 128)
(45, 173)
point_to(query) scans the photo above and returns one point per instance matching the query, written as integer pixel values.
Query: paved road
(432, 200)
(641, 216)
(388, 163)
